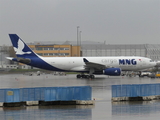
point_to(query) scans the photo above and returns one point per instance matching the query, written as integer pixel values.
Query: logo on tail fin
(20, 47)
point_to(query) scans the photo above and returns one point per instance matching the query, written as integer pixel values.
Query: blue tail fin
(27, 56)
(20, 48)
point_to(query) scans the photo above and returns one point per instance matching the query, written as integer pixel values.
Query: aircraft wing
(93, 65)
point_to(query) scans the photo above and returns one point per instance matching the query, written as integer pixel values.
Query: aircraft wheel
(92, 76)
(79, 76)
(87, 76)
(83, 76)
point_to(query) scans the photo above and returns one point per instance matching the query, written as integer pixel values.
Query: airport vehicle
(111, 66)
(145, 73)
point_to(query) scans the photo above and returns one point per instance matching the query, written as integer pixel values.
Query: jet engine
(112, 71)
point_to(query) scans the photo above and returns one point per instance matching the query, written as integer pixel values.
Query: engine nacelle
(112, 71)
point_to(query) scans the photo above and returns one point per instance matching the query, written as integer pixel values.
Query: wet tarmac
(104, 108)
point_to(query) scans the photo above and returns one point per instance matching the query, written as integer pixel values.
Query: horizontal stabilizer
(9, 58)
(21, 60)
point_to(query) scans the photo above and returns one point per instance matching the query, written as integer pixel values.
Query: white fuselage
(126, 63)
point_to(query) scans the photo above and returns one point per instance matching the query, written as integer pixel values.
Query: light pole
(80, 38)
(77, 38)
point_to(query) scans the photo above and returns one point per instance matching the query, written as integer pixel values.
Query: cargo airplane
(111, 66)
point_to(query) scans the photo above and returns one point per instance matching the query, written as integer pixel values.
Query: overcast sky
(113, 21)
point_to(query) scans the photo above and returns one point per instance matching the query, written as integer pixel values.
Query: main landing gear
(91, 76)
(85, 76)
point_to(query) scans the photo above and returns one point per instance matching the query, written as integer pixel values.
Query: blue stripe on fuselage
(38, 62)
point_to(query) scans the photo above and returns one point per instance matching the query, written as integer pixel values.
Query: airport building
(146, 50)
(52, 50)
(88, 48)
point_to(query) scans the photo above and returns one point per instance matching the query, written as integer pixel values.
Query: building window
(46, 54)
(45, 48)
(41, 54)
(61, 54)
(39, 48)
(56, 48)
(50, 48)
(61, 48)
(56, 54)
(66, 53)
(66, 48)
(50, 54)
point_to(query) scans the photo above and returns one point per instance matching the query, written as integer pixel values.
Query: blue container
(2, 95)
(152, 89)
(77, 93)
(125, 90)
(157, 89)
(119, 91)
(70, 93)
(86, 93)
(45, 94)
(143, 90)
(50, 94)
(67, 93)
(39, 93)
(147, 90)
(32, 94)
(64, 94)
(82, 93)
(27, 94)
(114, 90)
(12, 95)
(135, 90)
